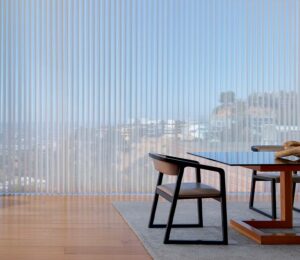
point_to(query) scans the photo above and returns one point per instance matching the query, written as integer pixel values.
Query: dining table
(261, 230)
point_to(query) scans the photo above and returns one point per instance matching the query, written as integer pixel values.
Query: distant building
(190, 132)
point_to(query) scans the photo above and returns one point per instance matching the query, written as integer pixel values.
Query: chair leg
(200, 213)
(170, 221)
(224, 220)
(294, 193)
(273, 192)
(251, 200)
(153, 210)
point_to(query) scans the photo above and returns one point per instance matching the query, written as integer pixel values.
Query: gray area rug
(136, 214)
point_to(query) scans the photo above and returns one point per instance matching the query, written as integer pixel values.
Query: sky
(111, 61)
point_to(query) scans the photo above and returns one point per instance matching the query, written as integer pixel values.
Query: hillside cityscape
(114, 159)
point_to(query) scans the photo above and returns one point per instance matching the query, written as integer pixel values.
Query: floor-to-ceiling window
(88, 88)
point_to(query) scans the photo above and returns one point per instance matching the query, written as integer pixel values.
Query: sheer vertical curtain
(88, 88)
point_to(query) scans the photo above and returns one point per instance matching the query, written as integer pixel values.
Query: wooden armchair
(172, 192)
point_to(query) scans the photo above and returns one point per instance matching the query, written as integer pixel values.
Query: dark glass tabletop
(247, 158)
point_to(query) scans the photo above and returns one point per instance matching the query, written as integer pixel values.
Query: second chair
(271, 177)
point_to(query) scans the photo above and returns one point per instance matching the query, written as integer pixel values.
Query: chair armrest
(266, 148)
(220, 171)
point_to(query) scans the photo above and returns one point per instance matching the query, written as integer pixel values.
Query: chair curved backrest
(266, 148)
(166, 167)
(170, 165)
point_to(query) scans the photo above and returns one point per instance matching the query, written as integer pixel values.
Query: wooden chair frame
(182, 164)
(256, 177)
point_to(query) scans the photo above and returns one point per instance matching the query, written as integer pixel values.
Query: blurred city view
(38, 158)
(89, 88)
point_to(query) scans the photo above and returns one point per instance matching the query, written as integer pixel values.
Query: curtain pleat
(89, 88)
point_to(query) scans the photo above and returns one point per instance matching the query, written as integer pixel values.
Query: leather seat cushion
(276, 176)
(190, 190)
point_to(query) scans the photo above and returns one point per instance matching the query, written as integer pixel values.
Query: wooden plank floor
(57, 227)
